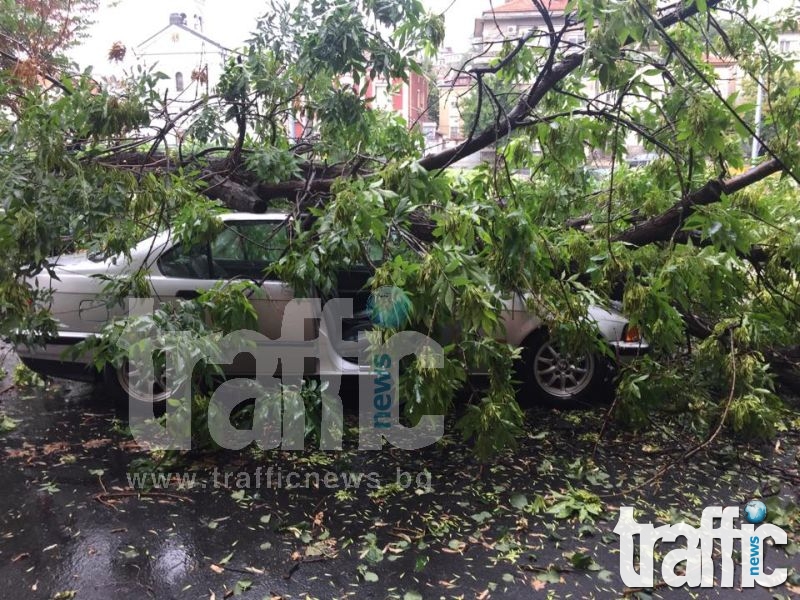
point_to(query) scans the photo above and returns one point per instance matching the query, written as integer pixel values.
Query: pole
(759, 106)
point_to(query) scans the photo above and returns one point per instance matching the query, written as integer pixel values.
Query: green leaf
(580, 560)
(549, 576)
(519, 501)
(605, 575)
(241, 587)
(481, 517)
(421, 563)
(7, 423)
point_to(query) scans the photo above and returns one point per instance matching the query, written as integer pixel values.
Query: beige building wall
(450, 121)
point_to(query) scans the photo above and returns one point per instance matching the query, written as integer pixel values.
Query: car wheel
(552, 377)
(121, 383)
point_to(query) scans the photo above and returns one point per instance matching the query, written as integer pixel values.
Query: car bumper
(50, 360)
(627, 351)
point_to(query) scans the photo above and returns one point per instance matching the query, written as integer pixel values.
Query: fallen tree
(695, 232)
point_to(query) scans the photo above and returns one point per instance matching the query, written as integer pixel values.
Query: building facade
(452, 89)
(407, 99)
(515, 19)
(192, 61)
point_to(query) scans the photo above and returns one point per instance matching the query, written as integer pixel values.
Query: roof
(187, 30)
(524, 6)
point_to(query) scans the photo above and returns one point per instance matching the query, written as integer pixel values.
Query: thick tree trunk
(233, 195)
(665, 226)
(786, 363)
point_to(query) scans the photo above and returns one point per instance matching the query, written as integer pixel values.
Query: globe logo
(755, 511)
(389, 307)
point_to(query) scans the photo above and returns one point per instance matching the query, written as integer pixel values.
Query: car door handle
(187, 294)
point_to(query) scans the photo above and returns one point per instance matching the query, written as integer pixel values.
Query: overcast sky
(230, 21)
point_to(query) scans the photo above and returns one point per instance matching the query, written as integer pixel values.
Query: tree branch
(662, 227)
(548, 78)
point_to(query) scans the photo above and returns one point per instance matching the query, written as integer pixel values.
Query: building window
(179, 81)
(785, 46)
(382, 99)
(455, 132)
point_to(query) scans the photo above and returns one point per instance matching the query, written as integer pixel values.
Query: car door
(353, 283)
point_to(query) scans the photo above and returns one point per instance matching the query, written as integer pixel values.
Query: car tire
(549, 377)
(116, 381)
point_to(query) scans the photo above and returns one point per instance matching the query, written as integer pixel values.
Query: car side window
(248, 248)
(228, 244)
(242, 249)
(265, 242)
(191, 262)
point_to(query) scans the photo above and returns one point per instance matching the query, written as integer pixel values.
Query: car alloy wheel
(156, 393)
(550, 376)
(560, 374)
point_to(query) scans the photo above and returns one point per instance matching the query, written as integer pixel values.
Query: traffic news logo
(698, 554)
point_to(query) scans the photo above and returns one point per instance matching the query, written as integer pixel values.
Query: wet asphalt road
(70, 526)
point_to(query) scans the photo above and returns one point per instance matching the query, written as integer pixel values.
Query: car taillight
(631, 334)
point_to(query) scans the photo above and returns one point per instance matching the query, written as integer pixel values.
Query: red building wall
(418, 98)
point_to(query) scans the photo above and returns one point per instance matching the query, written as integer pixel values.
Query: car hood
(81, 264)
(599, 313)
(144, 253)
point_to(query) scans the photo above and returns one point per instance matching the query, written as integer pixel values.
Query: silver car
(246, 247)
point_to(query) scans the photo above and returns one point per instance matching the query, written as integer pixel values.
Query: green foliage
(273, 165)
(319, 47)
(24, 378)
(580, 504)
(196, 223)
(7, 423)
(695, 392)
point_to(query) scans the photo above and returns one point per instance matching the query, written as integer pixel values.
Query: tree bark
(665, 226)
(786, 364)
(233, 195)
